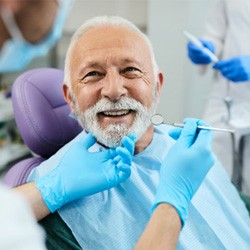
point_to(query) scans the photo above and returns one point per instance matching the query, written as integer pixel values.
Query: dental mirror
(158, 119)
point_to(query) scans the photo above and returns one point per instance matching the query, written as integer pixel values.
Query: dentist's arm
(162, 230)
(34, 198)
(79, 173)
(183, 170)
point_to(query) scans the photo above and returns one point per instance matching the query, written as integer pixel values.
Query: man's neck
(145, 140)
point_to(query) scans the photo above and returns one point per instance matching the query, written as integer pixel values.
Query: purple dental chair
(42, 118)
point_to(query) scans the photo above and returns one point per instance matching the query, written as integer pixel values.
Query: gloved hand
(81, 173)
(236, 69)
(196, 55)
(184, 167)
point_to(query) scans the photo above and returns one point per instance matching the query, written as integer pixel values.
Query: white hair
(99, 22)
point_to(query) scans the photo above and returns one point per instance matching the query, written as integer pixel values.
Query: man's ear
(159, 82)
(68, 97)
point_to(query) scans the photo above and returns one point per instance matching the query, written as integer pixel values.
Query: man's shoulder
(53, 161)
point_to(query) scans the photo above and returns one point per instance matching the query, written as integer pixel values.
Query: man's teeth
(116, 113)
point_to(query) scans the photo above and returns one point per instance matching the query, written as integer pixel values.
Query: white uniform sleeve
(18, 228)
(216, 25)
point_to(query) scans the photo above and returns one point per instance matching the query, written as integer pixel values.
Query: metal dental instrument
(228, 101)
(158, 119)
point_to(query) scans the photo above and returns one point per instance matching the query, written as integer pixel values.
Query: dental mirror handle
(181, 125)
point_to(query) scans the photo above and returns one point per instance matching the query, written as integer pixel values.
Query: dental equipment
(197, 42)
(158, 119)
(228, 101)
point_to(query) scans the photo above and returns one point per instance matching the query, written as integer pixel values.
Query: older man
(112, 85)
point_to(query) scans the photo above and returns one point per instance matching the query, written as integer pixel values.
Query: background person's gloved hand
(185, 166)
(236, 69)
(81, 173)
(196, 55)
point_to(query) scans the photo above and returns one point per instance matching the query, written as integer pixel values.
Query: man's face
(114, 88)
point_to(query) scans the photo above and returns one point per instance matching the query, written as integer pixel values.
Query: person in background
(112, 84)
(28, 29)
(18, 228)
(227, 32)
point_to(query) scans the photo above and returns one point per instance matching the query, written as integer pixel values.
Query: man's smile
(115, 112)
(116, 116)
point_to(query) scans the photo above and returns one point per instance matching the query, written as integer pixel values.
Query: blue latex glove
(236, 69)
(196, 55)
(185, 167)
(81, 173)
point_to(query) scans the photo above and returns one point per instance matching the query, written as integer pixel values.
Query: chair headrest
(40, 111)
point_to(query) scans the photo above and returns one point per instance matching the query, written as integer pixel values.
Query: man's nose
(113, 86)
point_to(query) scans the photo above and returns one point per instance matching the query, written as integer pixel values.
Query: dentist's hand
(81, 173)
(236, 69)
(196, 55)
(185, 166)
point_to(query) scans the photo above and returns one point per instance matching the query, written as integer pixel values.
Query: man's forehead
(110, 36)
(100, 62)
(112, 43)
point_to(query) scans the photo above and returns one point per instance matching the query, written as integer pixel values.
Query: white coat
(18, 226)
(228, 27)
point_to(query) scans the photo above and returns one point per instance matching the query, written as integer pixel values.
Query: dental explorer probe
(181, 125)
(157, 119)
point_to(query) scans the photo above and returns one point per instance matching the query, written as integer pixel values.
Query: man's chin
(110, 140)
(110, 144)
(112, 136)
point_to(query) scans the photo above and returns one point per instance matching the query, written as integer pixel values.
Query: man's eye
(92, 76)
(92, 73)
(131, 72)
(129, 69)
